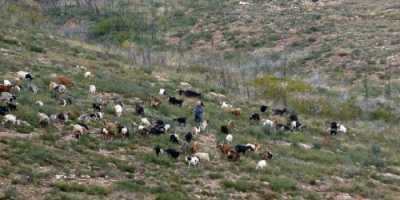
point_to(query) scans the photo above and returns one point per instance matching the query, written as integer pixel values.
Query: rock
(343, 196)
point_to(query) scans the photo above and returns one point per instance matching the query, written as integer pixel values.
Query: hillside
(49, 163)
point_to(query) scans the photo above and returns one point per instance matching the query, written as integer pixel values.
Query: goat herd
(281, 119)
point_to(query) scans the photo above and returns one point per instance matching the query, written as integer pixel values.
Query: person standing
(199, 112)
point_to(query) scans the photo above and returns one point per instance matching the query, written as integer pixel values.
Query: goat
(195, 147)
(145, 122)
(188, 137)
(92, 89)
(44, 119)
(11, 119)
(224, 148)
(253, 147)
(22, 75)
(204, 125)
(255, 117)
(233, 155)
(139, 109)
(155, 102)
(174, 138)
(225, 129)
(242, 148)
(261, 164)
(79, 129)
(190, 93)
(171, 152)
(97, 107)
(60, 117)
(7, 83)
(181, 121)
(202, 156)
(162, 92)
(279, 111)
(64, 80)
(118, 110)
(39, 103)
(5, 88)
(123, 130)
(196, 130)
(267, 155)
(225, 105)
(192, 161)
(175, 101)
(229, 138)
(235, 111)
(263, 108)
(87, 74)
(268, 123)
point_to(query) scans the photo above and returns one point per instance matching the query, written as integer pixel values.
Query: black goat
(225, 129)
(190, 93)
(188, 137)
(174, 138)
(263, 108)
(255, 117)
(175, 101)
(241, 148)
(157, 149)
(97, 107)
(280, 111)
(172, 152)
(181, 121)
(139, 109)
(334, 128)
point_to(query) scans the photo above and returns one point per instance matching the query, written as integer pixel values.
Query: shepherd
(198, 112)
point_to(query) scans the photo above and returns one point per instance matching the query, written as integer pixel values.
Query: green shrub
(88, 189)
(172, 196)
(242, 186)
(282, 184)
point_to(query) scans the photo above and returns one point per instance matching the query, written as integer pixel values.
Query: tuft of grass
(88, 189)
(281, 184)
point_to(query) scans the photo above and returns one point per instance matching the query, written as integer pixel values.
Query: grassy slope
(128, 168)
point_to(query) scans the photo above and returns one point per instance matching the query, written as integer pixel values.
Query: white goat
(261, 164)
(118, 110)
(229, 138)
(203, 156)
(192, 161)
(92, 89)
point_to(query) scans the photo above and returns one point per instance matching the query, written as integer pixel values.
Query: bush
(172, 196)
(242, 186)
(282, 184)
(88, 189)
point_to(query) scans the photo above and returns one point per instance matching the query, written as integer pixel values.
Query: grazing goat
(226, 105)
(267, 155)
(336, 128)
(155, 102)
(263, 108)
(235, 111)
(225, 129)
(44, 119)
(139, 109)
(118, 110)
(268, 123)
(175, 101)
(195, 147)
(97, 107)
(255, 117)
(279, 111)
(22, 75)
(192, 161)
(162, 92)
(189, 93)
(224, 148)
(204, 125)
(145, 122)
(79, 129)
(171, 152)
(242, 148)
(196, 130)
(233, 155)
(261, 164)
(11, 119)
(92, 89)
(188, 137)
(181, 121)
(60, 117)
(253, 147)
(87, 74)
(174, 138)
(123, 131)
(202, 156)
(64, 80)
(229, 138)
(39, 103)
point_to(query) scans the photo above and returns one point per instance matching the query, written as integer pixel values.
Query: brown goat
(64, 80)
(224, 148)
(5, 88)
(195, 147)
